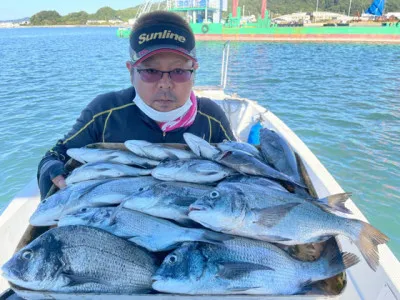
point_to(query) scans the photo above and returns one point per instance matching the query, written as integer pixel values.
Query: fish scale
(169, 200)
(86, 194)
(244, 266)
(263, 197)
(147, 231)
(282, 218)
(71, 259)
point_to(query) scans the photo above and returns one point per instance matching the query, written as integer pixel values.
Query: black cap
(149, 40)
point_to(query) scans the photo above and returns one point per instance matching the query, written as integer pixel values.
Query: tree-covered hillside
(51, 17)
(251, 7)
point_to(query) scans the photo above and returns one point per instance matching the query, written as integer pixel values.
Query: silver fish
(200, 147)
(50, 209)
(87, 155)
(157, 151)
(152, 233)
(104, 170)
(87, 193)
(262, 186)
(254, 214)
(245, 266)
(81, 259)
(254, 180)
(191, 170)
(240, 146)
(277, 152)
(248, 164)
(168, 200)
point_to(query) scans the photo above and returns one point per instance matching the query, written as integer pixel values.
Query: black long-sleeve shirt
(114, 118)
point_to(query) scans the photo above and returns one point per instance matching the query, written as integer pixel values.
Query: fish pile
(220, 217)
(81, 259)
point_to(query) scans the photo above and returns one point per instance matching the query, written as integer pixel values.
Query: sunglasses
(176, 75)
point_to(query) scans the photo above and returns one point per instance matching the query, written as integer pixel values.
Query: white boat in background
(362, 281)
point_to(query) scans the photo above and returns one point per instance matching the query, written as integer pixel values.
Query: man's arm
(51, 167)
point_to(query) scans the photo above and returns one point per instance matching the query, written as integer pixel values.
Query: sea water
(342, 100)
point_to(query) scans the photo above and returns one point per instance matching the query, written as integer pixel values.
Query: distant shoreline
(64, 26)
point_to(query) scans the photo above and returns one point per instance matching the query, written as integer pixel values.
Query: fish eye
(214, 194)
(141, 189)
(44, 201)
(173, 259)
(84, 209)
(27, 254)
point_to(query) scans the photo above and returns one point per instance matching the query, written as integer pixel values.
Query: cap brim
(164, 49)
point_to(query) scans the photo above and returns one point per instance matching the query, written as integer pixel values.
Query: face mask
(160, 116)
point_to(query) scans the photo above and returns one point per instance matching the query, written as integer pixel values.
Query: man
(160, 106)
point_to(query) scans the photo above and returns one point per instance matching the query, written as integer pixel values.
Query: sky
(16, 9)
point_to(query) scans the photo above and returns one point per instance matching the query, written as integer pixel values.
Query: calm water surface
(342, 100)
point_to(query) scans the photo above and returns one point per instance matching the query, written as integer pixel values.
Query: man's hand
(59, 181)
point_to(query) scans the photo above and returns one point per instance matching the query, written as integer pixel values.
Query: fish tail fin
(209, 236)
(336, 202)
(333, 262)
(367, 239)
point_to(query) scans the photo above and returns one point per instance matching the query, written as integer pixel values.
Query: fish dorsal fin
(334, 203)
(235, 270)
(271, 216)
(112, 220)
(118, 209)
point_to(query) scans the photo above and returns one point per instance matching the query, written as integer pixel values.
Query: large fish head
(50, 209)
(220, 208)
(94, 216)
(37, 266)
(181, 270)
